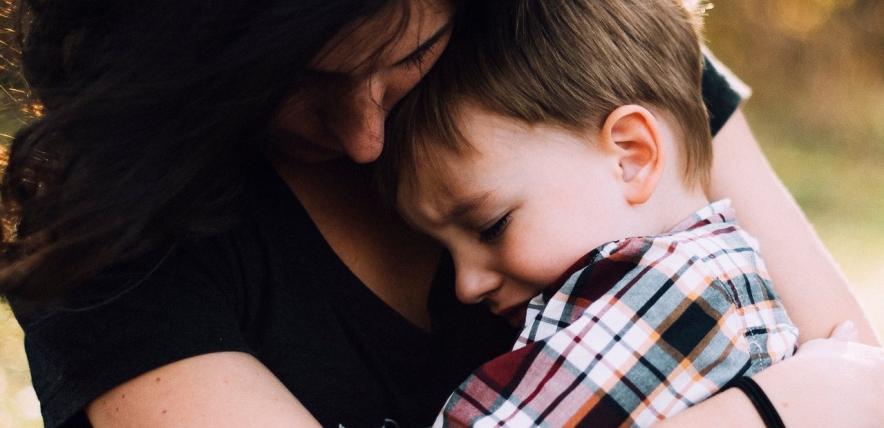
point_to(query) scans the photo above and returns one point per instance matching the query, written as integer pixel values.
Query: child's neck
(671, 204)
(685, 207)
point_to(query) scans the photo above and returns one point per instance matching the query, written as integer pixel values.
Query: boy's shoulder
(707, 261)
(707, 248)
(709, 242)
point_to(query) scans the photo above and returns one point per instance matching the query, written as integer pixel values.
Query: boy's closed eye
(493, 232)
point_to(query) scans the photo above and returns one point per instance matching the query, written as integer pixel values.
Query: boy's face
(519, 210)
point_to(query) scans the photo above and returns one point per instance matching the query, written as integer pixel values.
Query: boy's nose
(474, 284)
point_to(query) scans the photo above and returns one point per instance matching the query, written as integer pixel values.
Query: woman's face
(357, 78)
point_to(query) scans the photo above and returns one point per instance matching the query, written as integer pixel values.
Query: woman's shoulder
(136, 316)
(194, 297)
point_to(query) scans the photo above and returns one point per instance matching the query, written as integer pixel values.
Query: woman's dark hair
(152, 113)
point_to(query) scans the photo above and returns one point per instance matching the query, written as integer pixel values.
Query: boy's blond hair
(567, 63)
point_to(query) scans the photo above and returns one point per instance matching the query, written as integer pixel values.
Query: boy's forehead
(439, 190)
(444, 177)
(428, 190)
(482, 127)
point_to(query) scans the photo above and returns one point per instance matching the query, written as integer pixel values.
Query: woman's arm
(828, 382)
(225, 389)
(811, 285)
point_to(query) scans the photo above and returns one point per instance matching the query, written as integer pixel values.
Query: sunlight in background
(816, 68)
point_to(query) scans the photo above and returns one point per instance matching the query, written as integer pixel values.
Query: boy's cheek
(537, 265)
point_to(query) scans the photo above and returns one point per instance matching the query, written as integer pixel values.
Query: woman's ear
(633, 133)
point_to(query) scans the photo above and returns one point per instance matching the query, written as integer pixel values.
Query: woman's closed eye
(416, 59)
(495, 231)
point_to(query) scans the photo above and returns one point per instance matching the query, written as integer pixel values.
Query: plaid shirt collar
(561, 299)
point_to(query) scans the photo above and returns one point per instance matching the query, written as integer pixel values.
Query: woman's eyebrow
(427, 44)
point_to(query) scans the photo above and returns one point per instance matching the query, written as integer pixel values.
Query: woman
(199, 244)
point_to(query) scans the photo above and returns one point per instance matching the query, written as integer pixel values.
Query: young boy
(559, 149)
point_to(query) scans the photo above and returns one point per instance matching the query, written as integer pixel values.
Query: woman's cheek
(398, 85)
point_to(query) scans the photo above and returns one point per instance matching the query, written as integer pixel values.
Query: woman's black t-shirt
(273, 288)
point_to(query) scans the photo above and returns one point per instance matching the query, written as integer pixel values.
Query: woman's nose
(474, 283)
(361, 127)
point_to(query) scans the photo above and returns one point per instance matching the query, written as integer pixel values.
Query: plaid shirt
(646, 328)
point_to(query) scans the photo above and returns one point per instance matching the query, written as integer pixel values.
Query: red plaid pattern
(646, 328)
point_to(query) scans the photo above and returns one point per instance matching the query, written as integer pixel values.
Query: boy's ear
(634, 135)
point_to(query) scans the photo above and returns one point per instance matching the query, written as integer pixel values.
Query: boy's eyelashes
(494, 232)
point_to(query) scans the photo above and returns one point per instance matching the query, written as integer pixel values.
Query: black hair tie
(759, 399)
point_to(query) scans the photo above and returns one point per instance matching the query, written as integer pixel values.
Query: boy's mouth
(515, 315)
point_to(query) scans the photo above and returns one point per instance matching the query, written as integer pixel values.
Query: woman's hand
(834, 381)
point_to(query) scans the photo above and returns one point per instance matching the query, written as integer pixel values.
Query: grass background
(817, 71)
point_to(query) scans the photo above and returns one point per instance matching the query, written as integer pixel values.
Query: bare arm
(805, 389)
(829, 381)
(226, 389)
(813, 288)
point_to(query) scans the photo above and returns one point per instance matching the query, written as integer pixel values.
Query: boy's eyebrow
(427, 44)
(466, 206)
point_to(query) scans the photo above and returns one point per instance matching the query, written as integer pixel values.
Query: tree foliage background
(816, 68)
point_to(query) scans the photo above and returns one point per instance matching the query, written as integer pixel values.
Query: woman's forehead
(384, 38)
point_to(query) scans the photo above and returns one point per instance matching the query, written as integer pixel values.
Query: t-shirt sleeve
(173, 310)
(722, 91)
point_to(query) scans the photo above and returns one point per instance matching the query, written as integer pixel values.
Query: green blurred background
(816, 68)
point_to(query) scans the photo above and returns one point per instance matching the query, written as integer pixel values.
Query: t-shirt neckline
(345, 280)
